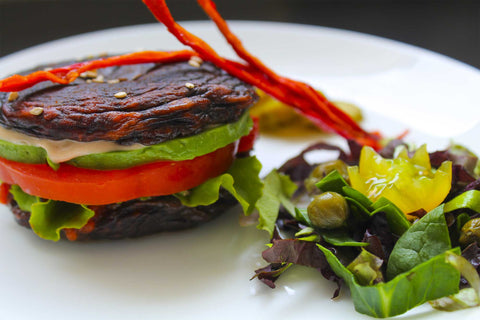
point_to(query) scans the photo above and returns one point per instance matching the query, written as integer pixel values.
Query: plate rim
(384, 41)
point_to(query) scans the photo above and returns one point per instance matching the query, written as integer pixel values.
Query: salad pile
(399, 227)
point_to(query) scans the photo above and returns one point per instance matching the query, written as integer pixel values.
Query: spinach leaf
(307, 231)
(340, 238)
(429, 280)
(467, 200)
(467, 297)
(366, 268)
(359, 197)
(424, 240)
(332, 182)
(397, 221)
(301, 215)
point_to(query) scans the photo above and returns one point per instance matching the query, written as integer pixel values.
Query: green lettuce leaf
(277, 191)
(425, 239)
(49, 217)
(173, 150)
(24, 200)
(241, 180)
(427, 281)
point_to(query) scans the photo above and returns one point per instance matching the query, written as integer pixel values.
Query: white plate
(204, 273)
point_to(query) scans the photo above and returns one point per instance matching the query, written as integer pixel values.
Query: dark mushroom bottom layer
(136, 218)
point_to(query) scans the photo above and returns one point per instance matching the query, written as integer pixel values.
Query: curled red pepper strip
(295, 93)
(68, 74)
(299, 87)
(247, 73)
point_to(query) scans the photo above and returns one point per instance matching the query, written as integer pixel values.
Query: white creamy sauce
(63, 150)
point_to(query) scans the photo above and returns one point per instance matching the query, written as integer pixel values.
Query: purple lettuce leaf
(294, 251)
(475, 185)
(271, 273)
(463, 166)
(472, 254)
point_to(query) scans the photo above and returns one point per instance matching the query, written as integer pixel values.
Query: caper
(328, 210)
(320, 171)
(470, 232)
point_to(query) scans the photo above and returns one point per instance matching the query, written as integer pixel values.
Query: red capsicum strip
(299, 87)
(68, 74)
(297, 94)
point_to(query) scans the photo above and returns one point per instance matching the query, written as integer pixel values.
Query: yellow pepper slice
(278, 118)
(410, 183)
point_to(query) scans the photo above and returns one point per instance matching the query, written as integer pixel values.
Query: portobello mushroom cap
(162, 102)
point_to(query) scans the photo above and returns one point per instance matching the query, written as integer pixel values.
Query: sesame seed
(12, 96)
(120, 95)
(189, 85)
(103, 54)
(197, 58)
(99, 79)
(89, 81)
(89, 74)
(113, 81)
(36, 111)
(195, 61)
(48, 69)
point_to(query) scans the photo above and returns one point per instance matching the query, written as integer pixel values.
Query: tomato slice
(99, 187)
(4, 191)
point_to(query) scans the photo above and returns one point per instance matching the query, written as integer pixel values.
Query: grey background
(451, 27)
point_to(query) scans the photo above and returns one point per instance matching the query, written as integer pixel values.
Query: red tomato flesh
(99, 187)
(4, 191)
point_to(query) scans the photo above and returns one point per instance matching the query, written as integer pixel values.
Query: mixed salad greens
(400, 227)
